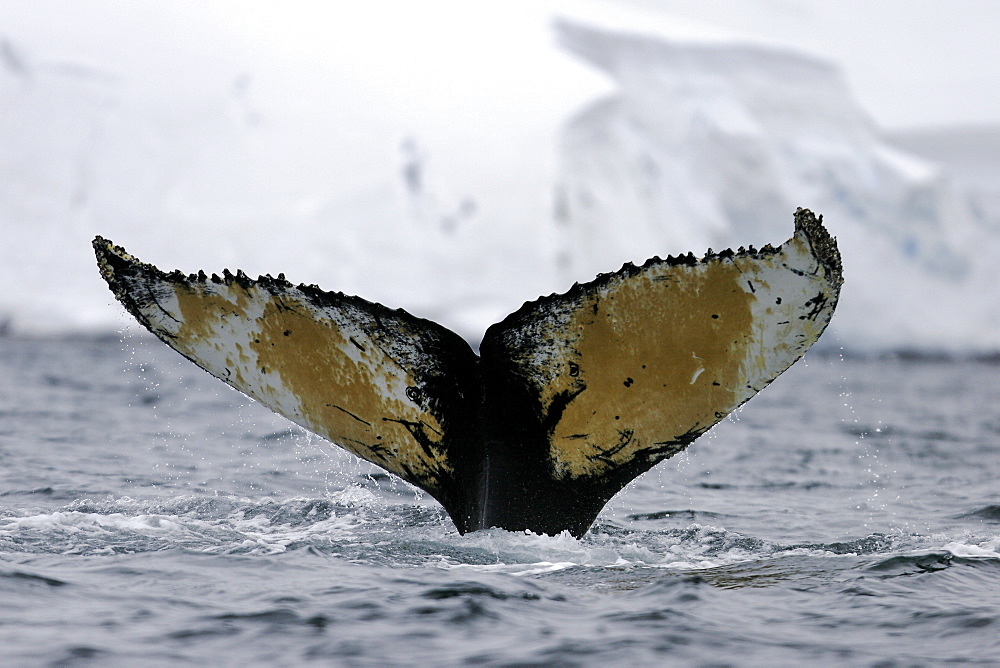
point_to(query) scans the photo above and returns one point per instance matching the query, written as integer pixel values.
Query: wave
(358, 525)
(928, 562)
(990, 513)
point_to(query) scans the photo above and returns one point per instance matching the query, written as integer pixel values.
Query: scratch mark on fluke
(571, 397)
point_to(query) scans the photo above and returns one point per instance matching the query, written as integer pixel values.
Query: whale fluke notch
(571, 397)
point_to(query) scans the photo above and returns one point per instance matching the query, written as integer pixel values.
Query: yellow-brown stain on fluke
(659, 355)
(345, 400)
(342, 392)
(201, 313)
(211, 318)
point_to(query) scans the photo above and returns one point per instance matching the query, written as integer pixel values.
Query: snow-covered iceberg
(456, 167)
(712, 143)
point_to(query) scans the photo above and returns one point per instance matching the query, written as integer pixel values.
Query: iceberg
(710, 143)
(460, 166)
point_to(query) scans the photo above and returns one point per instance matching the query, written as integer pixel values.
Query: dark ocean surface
(149, 515)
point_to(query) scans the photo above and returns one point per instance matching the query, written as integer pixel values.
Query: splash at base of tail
(571, 397)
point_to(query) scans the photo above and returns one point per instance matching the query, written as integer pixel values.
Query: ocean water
(848, 515)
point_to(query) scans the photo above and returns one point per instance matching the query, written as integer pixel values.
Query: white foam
(988, 548)
(78, 521)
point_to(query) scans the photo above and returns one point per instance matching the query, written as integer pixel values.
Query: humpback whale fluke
(571, 397)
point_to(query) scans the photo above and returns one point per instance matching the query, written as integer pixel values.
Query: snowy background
(457, 158)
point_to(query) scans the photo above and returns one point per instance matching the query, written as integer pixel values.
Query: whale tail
(571, 397)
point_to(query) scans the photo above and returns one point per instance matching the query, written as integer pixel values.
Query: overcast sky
(911, 62)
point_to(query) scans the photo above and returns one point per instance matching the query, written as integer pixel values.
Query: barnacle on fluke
(571, 397)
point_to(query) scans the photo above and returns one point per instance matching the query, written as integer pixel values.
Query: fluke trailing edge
(571, 397)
